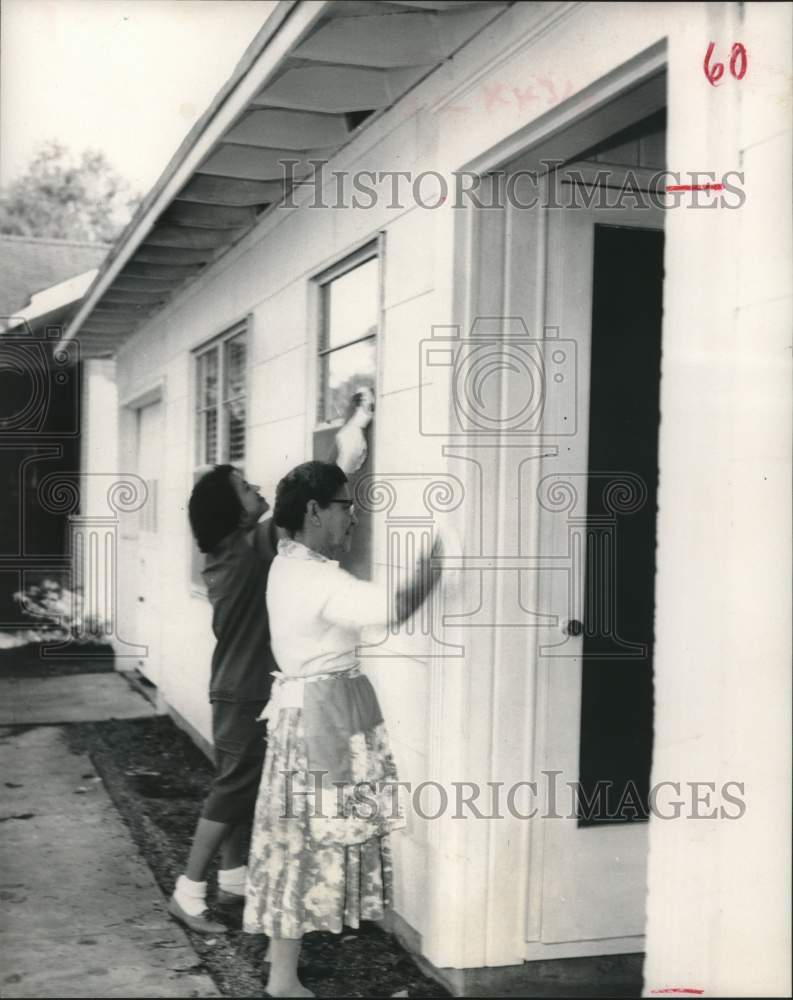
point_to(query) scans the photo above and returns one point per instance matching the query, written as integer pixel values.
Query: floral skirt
(319, 856)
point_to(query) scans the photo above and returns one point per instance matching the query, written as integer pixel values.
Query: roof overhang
(315, 74)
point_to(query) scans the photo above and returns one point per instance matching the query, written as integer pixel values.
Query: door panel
(597, 501)
(149, 611)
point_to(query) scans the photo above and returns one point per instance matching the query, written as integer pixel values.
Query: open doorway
(581, 272)
(604, 293)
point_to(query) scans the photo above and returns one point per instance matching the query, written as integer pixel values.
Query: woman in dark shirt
(224, 513)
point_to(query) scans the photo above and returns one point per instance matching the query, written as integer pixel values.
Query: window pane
(351, 304)
(208, 378)
(235, 368)
(210, 418)
(345, 371)
(235, 430)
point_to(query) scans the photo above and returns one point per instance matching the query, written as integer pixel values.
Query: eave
(317, 73)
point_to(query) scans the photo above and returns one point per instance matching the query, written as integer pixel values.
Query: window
(220, 400)
(220, 424)
(348, 338)
(346, 363)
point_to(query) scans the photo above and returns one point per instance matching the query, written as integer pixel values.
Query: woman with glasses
(319, 855)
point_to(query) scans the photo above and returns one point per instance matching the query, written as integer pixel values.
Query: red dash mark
(679, 989)
(694, 187)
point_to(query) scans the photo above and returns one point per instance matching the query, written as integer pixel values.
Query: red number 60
(738, 64)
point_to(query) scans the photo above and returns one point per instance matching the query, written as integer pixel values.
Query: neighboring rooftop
(29, 265)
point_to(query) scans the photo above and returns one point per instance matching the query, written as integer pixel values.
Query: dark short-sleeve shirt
(236, 578)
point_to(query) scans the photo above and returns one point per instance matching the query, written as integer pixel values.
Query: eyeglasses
(346, 503)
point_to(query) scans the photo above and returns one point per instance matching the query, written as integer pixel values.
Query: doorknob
(573, 627)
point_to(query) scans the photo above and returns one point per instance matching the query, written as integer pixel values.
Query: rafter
(146, 295)
(190, 213)
(285, 129)
(153, 254)
(141, 269)
(257, 163)
(192, 238)
(380, 40)
(130, 283)
(224, 190)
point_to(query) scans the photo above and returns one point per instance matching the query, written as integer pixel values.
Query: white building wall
(719, 900)
(99, 438)
(95, 565)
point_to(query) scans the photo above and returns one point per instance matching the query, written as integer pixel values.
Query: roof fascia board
(283, 30)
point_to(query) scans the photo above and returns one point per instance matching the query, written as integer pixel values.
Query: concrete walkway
(81, 913)
(36, 701)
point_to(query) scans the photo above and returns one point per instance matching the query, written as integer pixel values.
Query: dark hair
(214, 509)
(309, 481)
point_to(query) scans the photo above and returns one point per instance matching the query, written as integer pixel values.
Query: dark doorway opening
(619, 599)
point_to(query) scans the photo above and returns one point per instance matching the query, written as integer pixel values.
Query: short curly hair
(310, 481)
(215, 510)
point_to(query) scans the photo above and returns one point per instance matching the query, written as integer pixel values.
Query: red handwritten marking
(524, 97)
(679, 989)
(717, 72)
(738, 52)
(739, 62)
(495, 94)
(694, 187)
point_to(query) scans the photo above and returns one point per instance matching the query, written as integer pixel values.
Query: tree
(63, 197)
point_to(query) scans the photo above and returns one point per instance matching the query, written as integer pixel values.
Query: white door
(597, 529)
(148, 603)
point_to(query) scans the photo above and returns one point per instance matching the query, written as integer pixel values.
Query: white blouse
(317, 611)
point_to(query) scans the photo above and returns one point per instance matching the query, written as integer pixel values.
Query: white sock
(233, 879)
(190, 895)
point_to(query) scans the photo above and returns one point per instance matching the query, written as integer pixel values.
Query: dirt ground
(157, 779)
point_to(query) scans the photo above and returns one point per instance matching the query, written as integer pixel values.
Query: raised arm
(358, 602)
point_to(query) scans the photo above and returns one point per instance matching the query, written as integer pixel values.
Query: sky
(128, 77)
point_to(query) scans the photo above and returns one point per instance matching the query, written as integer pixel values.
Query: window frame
(371, 250)
(218, 343)
(373, 247)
